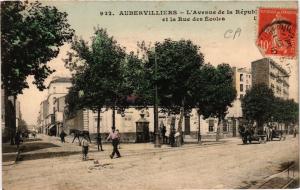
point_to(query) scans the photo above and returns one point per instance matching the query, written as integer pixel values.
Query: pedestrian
(62, 136)
(295, 132)
(163, 133)
(34, 134)
(17, 139)
(271, 133)
(267, 130)
(115, 137)
(85, 148)
(172, 136)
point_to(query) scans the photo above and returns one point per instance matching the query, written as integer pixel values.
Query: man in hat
(115, 137)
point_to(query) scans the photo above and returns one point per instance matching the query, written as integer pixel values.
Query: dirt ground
(219, 166)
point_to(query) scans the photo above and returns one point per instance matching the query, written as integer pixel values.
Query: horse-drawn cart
(249, 135)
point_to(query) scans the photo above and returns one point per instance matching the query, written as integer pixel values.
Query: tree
(31, 35)
(257, 105)
(214, 92)
(98, 78)
(175, 63)
(285, 111)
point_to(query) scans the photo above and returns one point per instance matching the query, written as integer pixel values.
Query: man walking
(62, 136)
(115, 137)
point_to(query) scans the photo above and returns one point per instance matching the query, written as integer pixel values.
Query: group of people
(269, 133)
(168, 138)
(114, 136)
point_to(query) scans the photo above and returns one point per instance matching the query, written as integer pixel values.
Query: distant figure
(17, 139)
(271, 133)
(85, 148)
(115, 137)
(172, 136)
(163, 132)
(268, 133)
(295, 132)
(34, 134)
(62, 136)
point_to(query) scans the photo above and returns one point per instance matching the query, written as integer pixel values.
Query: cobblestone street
(226, 164)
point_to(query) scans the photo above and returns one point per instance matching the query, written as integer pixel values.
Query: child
(85, 148)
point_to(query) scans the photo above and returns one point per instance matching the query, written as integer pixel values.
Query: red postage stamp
(277, 32)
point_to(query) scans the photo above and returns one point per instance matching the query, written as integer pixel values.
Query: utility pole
(157, 141)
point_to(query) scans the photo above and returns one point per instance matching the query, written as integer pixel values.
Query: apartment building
(269, 72)
(50, 114)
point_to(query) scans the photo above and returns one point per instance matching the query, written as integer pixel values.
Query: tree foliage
(257, 104)
(214, 90)
(31, 35)
(285, 111)
(99, 81)
(176, 62)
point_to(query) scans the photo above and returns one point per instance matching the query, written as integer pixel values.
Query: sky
(238, 51)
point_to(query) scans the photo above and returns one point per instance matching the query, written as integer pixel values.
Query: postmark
(277, 32)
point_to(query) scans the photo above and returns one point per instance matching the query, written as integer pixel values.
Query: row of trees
(260, 105)
(105, 76)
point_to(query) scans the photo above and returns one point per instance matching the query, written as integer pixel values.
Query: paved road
(227, 165)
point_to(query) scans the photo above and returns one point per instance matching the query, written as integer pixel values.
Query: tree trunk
(114, 116)
(199, 128)
(99, 143)
(6, 134)
(218, 130)
(9, 118)
(180, 137)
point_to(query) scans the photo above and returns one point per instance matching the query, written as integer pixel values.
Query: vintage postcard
(149, 95)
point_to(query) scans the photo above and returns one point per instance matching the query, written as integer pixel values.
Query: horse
(78, 133)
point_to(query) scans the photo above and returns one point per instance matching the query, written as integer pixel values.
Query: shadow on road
(43, 155)
(28, 147)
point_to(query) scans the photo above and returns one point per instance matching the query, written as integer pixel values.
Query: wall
(127, 124)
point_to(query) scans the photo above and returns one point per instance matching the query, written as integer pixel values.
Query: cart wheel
(259, 140)
(279, 138)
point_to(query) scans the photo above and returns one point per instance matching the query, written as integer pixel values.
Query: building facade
(266, 71)
(86, 120)
(242, 81)
(50, 108)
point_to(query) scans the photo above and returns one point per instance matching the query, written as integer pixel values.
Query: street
(227, 164)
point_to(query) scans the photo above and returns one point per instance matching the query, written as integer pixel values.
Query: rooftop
(272, 62)
(60, 80)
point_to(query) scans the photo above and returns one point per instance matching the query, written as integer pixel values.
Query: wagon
(248, 135)
(277, 134)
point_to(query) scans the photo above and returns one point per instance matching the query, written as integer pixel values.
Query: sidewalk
(49, 146)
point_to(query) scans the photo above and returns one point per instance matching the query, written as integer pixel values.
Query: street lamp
(157, 141)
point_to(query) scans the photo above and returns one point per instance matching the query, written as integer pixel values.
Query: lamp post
(157, 141)
(199, 129)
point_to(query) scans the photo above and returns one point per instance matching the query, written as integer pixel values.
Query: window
(241, 88)
(211, 125)
(241, 77)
